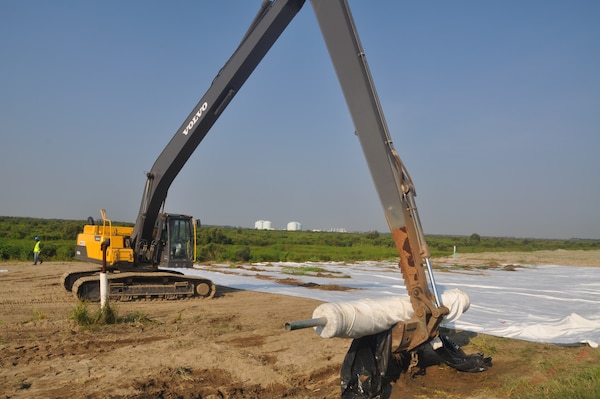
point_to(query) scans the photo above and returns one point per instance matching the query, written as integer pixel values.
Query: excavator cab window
(180, 239)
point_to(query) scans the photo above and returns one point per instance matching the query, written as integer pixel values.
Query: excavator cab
(178, 240)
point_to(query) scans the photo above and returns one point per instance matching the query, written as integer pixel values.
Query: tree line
(237, 244)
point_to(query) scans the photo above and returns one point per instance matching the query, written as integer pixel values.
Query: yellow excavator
(133, 255)
(135, 275)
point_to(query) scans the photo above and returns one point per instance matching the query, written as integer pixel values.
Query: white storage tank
(262, 225)
(294, 226)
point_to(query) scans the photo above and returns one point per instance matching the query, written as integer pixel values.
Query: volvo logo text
(195, 119)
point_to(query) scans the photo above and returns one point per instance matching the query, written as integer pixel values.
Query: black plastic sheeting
(369, 366)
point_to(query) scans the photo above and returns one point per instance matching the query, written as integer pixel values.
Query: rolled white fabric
(457, 302)
(364, 317)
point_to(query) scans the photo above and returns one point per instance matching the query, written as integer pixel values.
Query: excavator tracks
(139, 286)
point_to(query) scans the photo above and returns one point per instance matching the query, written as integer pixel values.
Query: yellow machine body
(119, 252)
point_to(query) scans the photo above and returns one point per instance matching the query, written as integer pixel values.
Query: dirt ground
(232, 346)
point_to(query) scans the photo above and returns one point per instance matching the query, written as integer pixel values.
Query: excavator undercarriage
(136, 286)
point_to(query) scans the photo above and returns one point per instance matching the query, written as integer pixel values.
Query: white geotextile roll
(457, 302)
(364, 317)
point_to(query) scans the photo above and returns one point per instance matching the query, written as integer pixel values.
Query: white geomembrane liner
(364, 317)
(551, 304)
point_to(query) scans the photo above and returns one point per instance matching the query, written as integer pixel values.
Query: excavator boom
(269, 23)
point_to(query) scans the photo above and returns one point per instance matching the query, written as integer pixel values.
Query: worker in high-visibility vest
(36, 251)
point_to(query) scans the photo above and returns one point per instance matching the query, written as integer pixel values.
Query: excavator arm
(392, 182)
(365, 367)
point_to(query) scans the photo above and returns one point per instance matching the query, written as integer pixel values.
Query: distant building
(331, 230)
(338, 230)
(294, 226)
(263, 225)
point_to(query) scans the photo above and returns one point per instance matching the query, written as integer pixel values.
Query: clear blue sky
(494, 106)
